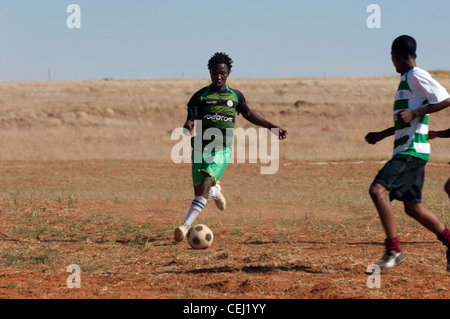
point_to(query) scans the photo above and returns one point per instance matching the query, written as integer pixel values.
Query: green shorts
(212, 164)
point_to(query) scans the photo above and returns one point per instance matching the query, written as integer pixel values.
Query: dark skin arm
(442, 134)
(374, 137)
(189, 125)
(256, 119)
(253, 117)
(407, 116)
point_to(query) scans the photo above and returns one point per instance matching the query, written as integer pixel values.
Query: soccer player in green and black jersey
(214, 109)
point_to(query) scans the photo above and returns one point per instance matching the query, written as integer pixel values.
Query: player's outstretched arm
(407, 116)
(442, 134)
(374, 137)
(254, 118)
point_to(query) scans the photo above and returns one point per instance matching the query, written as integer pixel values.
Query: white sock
(196, 208)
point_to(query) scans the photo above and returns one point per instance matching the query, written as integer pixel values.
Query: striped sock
(196, 208)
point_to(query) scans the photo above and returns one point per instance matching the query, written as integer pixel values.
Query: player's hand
(372, 138)
(405, 116)
(282, 134)
(189, 125)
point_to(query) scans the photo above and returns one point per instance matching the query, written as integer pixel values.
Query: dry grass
(326, 119)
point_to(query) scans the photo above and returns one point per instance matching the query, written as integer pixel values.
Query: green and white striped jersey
(417, 88)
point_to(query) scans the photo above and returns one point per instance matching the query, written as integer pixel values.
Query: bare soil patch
(309, 231)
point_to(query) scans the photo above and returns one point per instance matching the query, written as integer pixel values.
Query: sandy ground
(278, 239)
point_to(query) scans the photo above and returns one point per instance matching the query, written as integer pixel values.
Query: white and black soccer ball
(200, 236)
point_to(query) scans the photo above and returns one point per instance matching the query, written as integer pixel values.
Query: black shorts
(403, 176)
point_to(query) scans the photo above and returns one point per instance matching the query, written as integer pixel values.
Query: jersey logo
(218, 117)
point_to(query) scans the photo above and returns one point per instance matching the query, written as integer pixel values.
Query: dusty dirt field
(86, 179)
(307, 232)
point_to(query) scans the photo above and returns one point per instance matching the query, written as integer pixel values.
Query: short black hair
(405, 45)
(220, 58)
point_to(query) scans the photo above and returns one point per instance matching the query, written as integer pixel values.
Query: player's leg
(217, 194)
(204, 188)
(424, 216)
(447, 188)
(445, 236)
(431, 222)
(402, 178)
(393, 254)
(215, 169)
(200, 197)
(205, 177)
(197, 206)
(379, 196)
(214, 165)
(411, 195)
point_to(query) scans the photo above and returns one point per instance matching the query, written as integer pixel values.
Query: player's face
(219, 74)
(395, 61)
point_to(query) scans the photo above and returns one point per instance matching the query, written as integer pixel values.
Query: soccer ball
(200, 236)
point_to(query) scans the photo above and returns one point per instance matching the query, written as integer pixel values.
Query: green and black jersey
(215, 113)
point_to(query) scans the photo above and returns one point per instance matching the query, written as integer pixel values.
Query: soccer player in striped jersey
(402, 177)
(214, 108)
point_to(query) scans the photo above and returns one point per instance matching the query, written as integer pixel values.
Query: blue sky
(151, 39)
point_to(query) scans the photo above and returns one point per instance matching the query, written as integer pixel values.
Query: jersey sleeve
(242, 106)
(433, 91)
(193, 106)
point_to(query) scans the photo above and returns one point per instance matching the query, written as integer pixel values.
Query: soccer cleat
(390, 259)
(180, 233)
(219, 199)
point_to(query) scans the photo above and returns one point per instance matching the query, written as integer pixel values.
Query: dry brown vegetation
(326, 118)
(86, 178)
